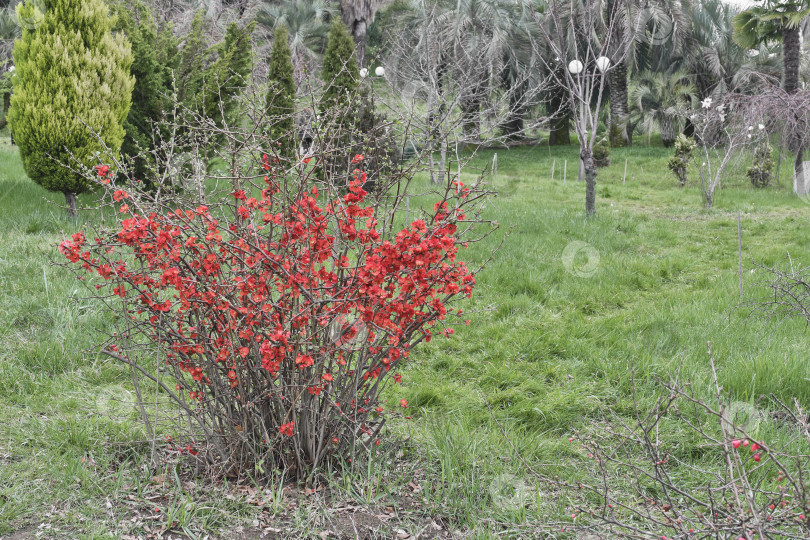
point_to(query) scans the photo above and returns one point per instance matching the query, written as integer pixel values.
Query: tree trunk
(470, 118)
(359, 32)
(6, 107)
(513, 125)
(791, 51)
(70, 200)
(557, 108)
(667, 131)
(590, 182)
(620, 132)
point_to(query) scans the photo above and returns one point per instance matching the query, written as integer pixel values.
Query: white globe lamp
(603, 63)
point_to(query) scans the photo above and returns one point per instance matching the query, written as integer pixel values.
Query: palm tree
(645, 33)
(481, 46)
(307, 22)
(358, 16)
(657, 98)
(775, 20)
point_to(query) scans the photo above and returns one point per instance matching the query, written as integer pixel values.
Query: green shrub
(679, 163)
(601, 153)
(72, 89)
(760, 173)
(617, 139)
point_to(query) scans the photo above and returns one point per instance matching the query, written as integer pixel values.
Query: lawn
(548, 351)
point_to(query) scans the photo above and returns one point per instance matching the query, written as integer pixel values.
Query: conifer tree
(153, 84)
(72, 86)
(340, 72)
(341, 78)
(228, 75)
(281, 95)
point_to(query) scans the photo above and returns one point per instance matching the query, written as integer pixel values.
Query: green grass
(548, 350)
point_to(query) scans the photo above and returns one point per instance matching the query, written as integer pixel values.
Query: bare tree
(578, 35)
(468, 88)
(786, 114)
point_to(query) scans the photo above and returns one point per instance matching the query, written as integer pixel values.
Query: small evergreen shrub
(679, 163)
(72, 92)
(761, 171)
(601, 153)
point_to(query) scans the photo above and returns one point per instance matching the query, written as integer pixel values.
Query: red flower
(403, 403)
(304, 361)
(326, 377)
(287, 429)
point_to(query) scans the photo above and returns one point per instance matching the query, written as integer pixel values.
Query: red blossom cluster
(256, 302)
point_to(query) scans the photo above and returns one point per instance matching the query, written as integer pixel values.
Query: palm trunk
(620, 133)
(557, 108)
(471, 118)
(791, 51)
(359, 33)
(513, 125)
(667, 131)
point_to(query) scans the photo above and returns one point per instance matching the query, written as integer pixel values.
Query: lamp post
(577, 68)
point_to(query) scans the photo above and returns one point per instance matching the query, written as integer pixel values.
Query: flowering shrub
(721, 137)
(279, 312)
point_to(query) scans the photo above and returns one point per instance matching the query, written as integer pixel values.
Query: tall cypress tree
(228, 75)
(341, 78)
(153, 84)
(340, 72)
(72, 77)
(281, 95)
